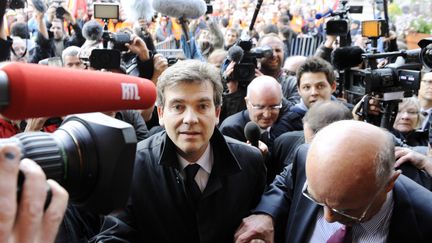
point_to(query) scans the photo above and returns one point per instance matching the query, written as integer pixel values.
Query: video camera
(244, 70)
(108, 58)
(389, 84)
(91, 155)
(340, 25)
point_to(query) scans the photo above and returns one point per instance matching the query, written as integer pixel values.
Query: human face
(57, 30)
(315, 87)
(189, 116)
(19, 47)
(406, 119)
(425, 91)
(274, 62)
(349, 214)
(230, 37)
(264, 108)
(73, 62)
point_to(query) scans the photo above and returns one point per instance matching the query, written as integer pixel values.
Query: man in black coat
(171, 203)
(346, 180)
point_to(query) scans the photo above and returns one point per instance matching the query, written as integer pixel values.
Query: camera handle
(387, 116)
(105, 35)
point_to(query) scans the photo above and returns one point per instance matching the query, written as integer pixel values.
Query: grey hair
(71, 51)
(190, 71)
(385, 160)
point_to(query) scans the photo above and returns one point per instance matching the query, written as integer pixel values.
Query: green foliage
(422, 25)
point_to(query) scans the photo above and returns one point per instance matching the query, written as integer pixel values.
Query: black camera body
(244, 71)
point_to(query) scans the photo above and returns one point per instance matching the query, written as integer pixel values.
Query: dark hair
(323, 113)
(270, 28)
(20, 29)
(316, 65)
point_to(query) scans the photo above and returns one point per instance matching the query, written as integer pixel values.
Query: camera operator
(26, 220)
(272, 66)
(51, 43)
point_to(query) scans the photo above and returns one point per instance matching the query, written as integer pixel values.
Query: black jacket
(159, 209)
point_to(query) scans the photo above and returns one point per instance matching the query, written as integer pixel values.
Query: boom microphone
(92, 30)
(347, 57)
(31, 90)
(252, 133)
(138, 9)
(323, 15)
(235, 54)
(189, 9)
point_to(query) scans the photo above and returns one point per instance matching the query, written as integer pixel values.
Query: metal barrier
(304, 45)
(168, 48)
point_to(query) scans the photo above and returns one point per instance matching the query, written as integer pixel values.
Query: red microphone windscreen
(43, 91)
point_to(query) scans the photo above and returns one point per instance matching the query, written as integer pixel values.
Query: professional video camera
(91, 155)
(108, 58)
(244, 70)
(245, 56)
(389, 84)
(339, 25)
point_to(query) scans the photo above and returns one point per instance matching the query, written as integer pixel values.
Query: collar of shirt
(205, 161)
(380, 222)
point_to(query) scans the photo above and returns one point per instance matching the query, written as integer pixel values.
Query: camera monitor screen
(106, 11)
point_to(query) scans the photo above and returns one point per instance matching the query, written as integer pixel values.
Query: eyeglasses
(262, 107)
(411, 113)
(340, 212)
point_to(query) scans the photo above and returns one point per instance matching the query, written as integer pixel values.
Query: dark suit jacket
(294, 214)
(160, 210)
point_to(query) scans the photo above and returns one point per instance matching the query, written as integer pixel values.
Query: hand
(229, 70)
(160, 63)
(261, 146)
(35, 124)
(330, 40)
(27, 221)
(69, 17)
(139, 47)
(374, 107)
(420, 161)
(256, 226)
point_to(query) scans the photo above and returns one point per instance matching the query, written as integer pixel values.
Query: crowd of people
(312, 171)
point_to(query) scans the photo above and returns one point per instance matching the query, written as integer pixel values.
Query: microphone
(323, 15)
(252, 133)
(31, 90)
(92, 30)
(347, 57)
(39, 5)
(138, 9)
(235, 54)
(189, 9)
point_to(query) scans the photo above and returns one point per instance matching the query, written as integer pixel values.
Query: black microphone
(235, 54)
(347, 57)
(252, 133)
(92, 30)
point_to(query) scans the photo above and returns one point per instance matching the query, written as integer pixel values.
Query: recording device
(389, 84)
(252, 133)
(39, 5)
(108, 58)
(339, 26)
(31, 90)
(245, 56)
(91, 155)
(186, 9)
(137, 9)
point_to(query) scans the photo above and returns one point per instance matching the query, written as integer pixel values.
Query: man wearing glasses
(425, 98)
(344, 189)
(265, 106)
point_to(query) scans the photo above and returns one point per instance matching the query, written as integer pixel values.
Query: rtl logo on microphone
(130, 91)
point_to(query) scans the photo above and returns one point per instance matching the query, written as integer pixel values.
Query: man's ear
(333, 86)
(160, 115)
(393, 179)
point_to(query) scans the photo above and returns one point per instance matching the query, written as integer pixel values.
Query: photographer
(51, 43)
(26, 220)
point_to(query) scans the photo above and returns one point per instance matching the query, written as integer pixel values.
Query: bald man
(344, 185)
(265, 106)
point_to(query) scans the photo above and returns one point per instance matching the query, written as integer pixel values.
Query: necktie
(342, 235)
(191, 185)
